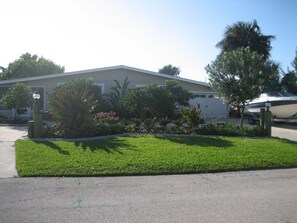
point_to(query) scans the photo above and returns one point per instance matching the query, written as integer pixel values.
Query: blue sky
(147, 34)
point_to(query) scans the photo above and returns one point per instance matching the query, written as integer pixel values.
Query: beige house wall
(106, 78)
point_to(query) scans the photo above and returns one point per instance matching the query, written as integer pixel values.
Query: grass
(141, 155)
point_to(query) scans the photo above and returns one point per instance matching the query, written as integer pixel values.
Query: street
(246, 196)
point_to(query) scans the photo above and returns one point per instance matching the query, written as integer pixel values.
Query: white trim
(102, 69)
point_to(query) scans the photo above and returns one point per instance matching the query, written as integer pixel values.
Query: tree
(237, 76)
(289, 82)
(115, 97)
(30, 65)
(153, 101)
(170, 70)
(72, 104)
(246, 34)
(271, 75)
(179, 94)
(18, 96)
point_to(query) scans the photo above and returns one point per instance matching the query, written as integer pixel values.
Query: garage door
(211, 106)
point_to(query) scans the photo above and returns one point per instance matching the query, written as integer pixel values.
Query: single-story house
(210, 104)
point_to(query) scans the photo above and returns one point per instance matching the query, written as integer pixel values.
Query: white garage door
(211, 106)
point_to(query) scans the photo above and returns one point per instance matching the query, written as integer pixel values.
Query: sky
(146, 34)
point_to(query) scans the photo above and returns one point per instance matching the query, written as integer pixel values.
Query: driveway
(280, 130)
(248, 196)
(8, 136)
(285, 131)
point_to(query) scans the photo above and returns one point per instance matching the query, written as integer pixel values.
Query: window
(39, 90)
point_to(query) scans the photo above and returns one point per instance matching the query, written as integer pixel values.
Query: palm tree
(246, 34)
(115, 97)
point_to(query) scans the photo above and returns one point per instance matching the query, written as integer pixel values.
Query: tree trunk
(242, 115)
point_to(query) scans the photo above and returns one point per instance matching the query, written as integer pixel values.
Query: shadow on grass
(199, 141)
(53, 146)
(107, 145)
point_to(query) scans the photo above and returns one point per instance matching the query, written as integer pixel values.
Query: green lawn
(135, 155)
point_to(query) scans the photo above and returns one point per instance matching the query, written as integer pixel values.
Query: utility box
(31, 129)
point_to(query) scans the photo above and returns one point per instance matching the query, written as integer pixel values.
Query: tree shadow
(111, 145)
(202, 141)
(53, 146)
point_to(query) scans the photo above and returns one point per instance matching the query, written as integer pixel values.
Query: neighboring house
(210, 104)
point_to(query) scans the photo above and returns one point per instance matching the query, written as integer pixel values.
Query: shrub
(251, 132)
(107, 123)
(192, 116)
(228, 129)
(106, 117)
(115, 97)
(117, 128)
(153, 101)
(49, 131)
(72, 105)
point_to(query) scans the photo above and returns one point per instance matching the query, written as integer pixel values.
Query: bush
(49, 131)
(107, 123)
(72, 105)
(252, 132)
(228, 129)
(106, 117)
(115, 98)
(153, 101)
(192, 116)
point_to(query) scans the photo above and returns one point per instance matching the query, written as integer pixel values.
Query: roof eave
(49, 76)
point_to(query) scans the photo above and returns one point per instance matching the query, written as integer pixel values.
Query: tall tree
(289, 82)
(170, 70)
(271, 76)
(237, 76)
(30, 65)
(246, 34)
